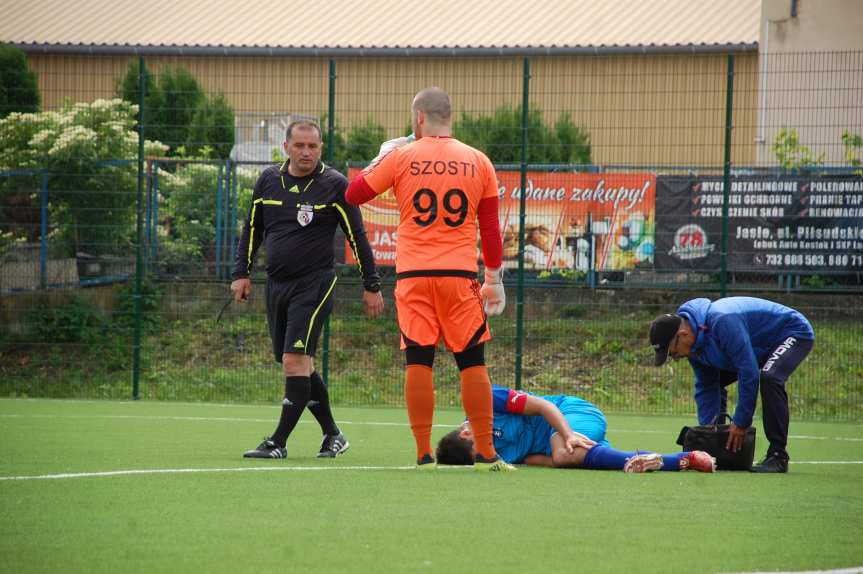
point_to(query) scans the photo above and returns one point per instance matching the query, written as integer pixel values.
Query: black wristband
(373, 287)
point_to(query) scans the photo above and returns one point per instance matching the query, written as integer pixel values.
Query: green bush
(19, 90)
(790, 154)
(188, 197)
(128, 89)
(499, 136)
(183, 96)
(853, 145)
(211, 133)
(363, 142)
(179, 114)
(73, 322)
(124, 309)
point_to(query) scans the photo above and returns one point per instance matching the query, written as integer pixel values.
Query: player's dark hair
(453, 449)
(304, 123)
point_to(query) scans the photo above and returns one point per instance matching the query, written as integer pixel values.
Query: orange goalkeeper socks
(419, 396)
(476, 399)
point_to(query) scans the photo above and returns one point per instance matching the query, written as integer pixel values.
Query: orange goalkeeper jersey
(438, 183)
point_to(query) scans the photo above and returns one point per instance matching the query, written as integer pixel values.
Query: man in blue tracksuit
(754, 342)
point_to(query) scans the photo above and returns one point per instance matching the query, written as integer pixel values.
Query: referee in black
(295, 211)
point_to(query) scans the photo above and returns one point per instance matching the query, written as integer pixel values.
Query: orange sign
(620, 207)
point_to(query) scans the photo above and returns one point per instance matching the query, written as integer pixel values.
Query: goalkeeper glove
(492, 293)
(392, 144)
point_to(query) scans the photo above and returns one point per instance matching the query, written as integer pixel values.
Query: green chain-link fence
(629, 184)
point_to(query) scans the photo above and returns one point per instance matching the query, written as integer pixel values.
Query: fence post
(331, 130)
(226, 221)
(154, 242)
(522, 203)
(219, 222)
(139, 260)
(232, 237)
(591, 255)
(148, 218)
(43, 232)
(726, 177)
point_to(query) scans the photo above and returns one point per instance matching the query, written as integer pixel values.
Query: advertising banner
(620, 207)
(774, 224)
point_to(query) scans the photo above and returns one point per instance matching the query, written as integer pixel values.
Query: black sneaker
(333, 445)
(427, 462)
(773, 462)
(267, 449)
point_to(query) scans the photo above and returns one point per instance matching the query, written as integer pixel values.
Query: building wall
(666, 110)
(811, 67)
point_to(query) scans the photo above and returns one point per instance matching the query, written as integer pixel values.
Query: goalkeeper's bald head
(435, 104)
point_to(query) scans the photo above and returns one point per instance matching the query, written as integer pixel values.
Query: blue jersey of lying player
(517, 435)
(558, 431)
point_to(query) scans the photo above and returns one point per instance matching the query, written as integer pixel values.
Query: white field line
(853, 570)
(206, 419)
(152, 471)
(363, 423)
(196, 470)
(793, 462)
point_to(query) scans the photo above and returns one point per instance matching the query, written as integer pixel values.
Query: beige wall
(811, 75)
(638, 109)
(819, 26)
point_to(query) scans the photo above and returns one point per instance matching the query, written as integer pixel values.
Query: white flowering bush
(89, 151)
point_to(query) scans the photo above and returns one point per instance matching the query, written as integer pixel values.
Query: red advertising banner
(620, 206)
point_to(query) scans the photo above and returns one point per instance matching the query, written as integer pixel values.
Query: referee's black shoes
(333, 445)
(267, 449)
(773, 462)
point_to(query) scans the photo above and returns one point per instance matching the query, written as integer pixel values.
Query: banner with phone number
(620, 206)
(775, 224)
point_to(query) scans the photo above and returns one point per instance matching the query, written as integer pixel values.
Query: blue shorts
(584, 418)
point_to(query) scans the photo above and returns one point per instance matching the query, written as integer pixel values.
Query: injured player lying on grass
(558, 431)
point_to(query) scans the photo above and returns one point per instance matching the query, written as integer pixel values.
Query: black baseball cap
(662, 332)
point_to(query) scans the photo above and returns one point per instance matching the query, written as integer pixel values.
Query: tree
(499, 136)
(212, 127)
(128, 89)
(363, 142)
(171, 101)
(182, 96)
(19, 90)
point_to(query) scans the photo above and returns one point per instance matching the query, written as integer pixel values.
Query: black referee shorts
(296, 311)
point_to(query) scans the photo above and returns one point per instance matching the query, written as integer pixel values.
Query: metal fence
(629, 184)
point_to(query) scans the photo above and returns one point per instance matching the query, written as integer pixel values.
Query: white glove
(392, 144)
(492, 293)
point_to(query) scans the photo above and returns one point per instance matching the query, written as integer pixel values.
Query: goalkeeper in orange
(445, 189)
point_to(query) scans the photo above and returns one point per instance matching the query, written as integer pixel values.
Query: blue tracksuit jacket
(736, 334)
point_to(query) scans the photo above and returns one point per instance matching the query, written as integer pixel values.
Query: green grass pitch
(369, 511)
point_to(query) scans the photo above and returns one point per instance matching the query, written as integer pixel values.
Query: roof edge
(174, 50)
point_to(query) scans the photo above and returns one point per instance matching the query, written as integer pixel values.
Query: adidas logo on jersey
(294, 189)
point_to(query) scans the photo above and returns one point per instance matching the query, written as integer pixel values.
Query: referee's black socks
(319, 404)
(297, 391)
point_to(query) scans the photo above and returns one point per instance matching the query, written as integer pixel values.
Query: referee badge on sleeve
(305, 214)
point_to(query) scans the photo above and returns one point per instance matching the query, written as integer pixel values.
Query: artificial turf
(369, 511)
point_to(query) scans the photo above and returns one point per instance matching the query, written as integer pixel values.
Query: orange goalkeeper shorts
(433, 308)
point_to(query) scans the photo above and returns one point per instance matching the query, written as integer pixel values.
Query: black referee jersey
(297, 218)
